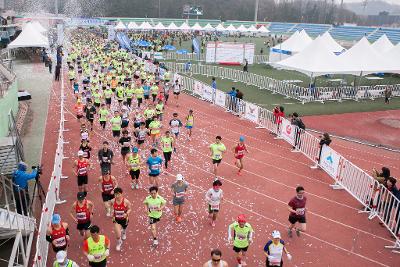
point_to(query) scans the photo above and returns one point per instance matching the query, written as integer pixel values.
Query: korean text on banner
(198, 88)
(252, 112)
(220, 98)
(208, 93)
(330, 161)
(288, 131)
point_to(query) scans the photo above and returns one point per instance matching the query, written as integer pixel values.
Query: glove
(90, 257)
(107, 253)
(289, 257)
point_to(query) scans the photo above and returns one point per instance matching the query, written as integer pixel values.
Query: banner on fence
(288, 131)
(220, 98)
(198, 88)
(208, 92)
(330, 161)
(252, 112)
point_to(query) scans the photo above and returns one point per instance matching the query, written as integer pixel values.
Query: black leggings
(167, 157)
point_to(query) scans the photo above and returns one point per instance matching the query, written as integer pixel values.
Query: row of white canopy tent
(320, 57)
(32, 35)
(185, 27)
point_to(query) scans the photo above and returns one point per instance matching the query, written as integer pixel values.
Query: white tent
(263, 29)
(315, 60)
(159, 27)
(383, 44)
(363, 59)
(242, 28)
(145, 26)
(132, 26)
(120, 26)
(252, 28)
(331, 44)
(184, 27)
(294, 44)
(220, 28)
(231, 28)
(208, 27)
(39, 27)
(172, 27)
(29, 37)
(197, 27)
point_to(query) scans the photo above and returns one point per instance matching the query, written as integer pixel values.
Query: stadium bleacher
(281, 27)
(350, 32)
(311, 29)
(392, 34)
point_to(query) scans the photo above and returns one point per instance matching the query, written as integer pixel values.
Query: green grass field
(268, 100)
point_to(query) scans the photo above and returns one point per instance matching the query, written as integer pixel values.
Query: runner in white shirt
(166, 92)
(214, 198)
(177, 91)
(216, 260)
(175, 124)
(274, 250)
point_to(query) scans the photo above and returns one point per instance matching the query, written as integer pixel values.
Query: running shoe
(298, 232)
(123, 235)
(239, 173)
(213, 223)
(108, 213)
(179, 219)
(244, 263)
(118, 247)
(137, 186)
(290, 234)
(155, 242)
(133, 186)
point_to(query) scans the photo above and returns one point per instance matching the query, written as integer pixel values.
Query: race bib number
(108, 187)
(82, 171)
(155, 167)
(105, 159)
(214, 206)
(127, 144)
(167, 145)
(60, 242)
(301, 211)
(241, 237)
(84, 135)
(217, 156)
(153, 208)
(119, 214)
(80, 216)
(134, 165)
(180, 194)
(85, 154)
(97, 256)
(240, 152)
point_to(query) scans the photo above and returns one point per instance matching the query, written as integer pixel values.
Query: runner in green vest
(96, 248)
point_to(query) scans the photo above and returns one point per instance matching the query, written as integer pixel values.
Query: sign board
(192, 10)
(288, 131)
(251, 112)
(220, 98)
(229, 53)
(329, 161)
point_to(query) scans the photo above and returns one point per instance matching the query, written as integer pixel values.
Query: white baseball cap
(60, 256)
(276, 234)
(80, 153)
(179, 177)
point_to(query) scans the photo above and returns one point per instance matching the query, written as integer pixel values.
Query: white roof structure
(29, 37)
(39, 27)
(242, 28)
(208, 27)
(197, 27)
(363, 59)
(185, 27)
(262, 29)
(220, 28)
(295, 43)
(145, 26)
(383, 44)
(120, 26)
(330, 43)
(252, 28)
(132, 26)
(159, 26)
(172, 27)
(315, 60)
(231, 28)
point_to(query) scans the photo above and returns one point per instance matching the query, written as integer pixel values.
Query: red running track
(337, 235)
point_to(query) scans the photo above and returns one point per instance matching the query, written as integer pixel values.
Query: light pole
(256, 11)
(56, 7)
(159, 8)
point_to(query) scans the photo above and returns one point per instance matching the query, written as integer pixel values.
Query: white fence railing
(303, 94)
(53, 191)
(375, 198)
(258, 59)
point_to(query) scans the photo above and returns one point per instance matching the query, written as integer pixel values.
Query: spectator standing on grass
(297, 121)
(232, 99)
(213, 83)
(388, 94)
(246, 66)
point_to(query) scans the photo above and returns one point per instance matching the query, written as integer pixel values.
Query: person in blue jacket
(154, 162)
(21, 190)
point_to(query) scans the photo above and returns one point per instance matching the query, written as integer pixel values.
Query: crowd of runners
(113, 92)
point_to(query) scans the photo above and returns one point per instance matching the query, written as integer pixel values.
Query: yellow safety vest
(97, 249)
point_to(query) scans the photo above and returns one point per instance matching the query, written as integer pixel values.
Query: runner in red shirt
(58, 234)
(81, 213)
(297, 208)
(122, 209)
(107, 185)
(239, 154)
(81, 166)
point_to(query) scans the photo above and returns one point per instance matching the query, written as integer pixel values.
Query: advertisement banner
(288, 130)
(198, 88)
(330, 161)
(208, 92)
(252, 112)
(220, 98)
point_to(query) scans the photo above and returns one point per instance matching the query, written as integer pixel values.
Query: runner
(216, 260)
(179, 189)
(81, 166)
(239, 154)
(97, 97)
(154, 204)
(154, 91)
(217, 149)
(149, 113)
(214, 197)
(120, 93)
(107, 185)
(84, 132)
(175, 124)
(108, 93)
(58, 234)
(130, 91)
(167, 146)
(160, 109)
(139, 92)
(146, 91)
(125, 110)
(103, 114)
(166, 92)
(79, 107)
(242, 238)
(122, 209)
(141, 134)
(154, 162)
(81, 213)
(63, 261)
(133, 163)
(125, 143)
(90, 110)
(155, 127)
(96, 248)
(105, 156)
(274, 250)
(297, 209)
(116, 122)
(177, 90)
(86, 148)
(189, 123)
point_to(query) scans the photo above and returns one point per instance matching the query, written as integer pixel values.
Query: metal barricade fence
(308, 145)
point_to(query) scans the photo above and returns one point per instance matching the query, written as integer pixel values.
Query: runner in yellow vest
(96, 248)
